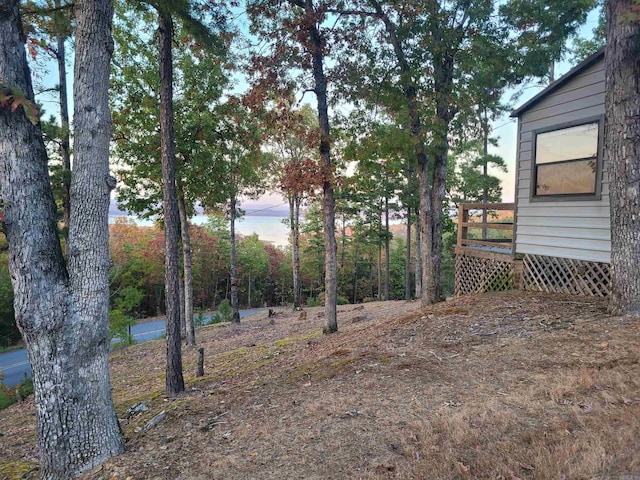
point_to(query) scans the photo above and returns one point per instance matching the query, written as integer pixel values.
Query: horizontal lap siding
(569, 229)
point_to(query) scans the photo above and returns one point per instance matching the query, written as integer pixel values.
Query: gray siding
(570, 229)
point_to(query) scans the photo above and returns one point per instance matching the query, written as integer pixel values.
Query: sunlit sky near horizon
(504, 129)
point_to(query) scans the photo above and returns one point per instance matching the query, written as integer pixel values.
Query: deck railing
(495, 235)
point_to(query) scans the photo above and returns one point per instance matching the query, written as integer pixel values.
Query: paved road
(14, 365)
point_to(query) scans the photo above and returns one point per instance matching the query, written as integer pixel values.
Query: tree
(62, 310)
(584, 47)
(174, 378)
(381, 150)
(254, 262)
(471, 182)
(423, 59)
(299, 176)
(303, 41)
(199, 77)
(54, 24)
(622, 151)
(241, 170)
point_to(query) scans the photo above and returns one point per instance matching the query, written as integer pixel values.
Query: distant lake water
(268, 228)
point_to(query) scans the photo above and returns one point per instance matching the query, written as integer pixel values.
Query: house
(561, 230)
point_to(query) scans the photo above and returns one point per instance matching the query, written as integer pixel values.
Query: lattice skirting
(478, 275)
(565, 275)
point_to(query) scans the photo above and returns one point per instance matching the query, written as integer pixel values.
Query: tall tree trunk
(183, 325)
(294, 213)
(387, 254)
(355, 273)
(62, 312)
(485, 169)
(433, 265)
(64, 140)
(174, 379)
(235, 304)
(407, 259)
(428, 295)
(328, 201)
(443, 75)
(379, 272)
(418, 272)
(622, 151)
(249, 293)
(343, 240)
(188, 272)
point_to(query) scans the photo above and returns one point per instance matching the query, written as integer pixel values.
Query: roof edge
(586, 63)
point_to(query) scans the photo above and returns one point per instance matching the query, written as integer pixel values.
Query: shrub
(120, 327)
(199, 320)
(225, 311)
(313, 302)
(8, 395)
(342, 300)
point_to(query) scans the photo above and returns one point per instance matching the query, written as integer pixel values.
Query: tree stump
(200, 371)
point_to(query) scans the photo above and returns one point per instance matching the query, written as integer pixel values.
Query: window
(567, 161)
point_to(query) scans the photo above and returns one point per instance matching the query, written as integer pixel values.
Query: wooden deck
(490, 239)
(485, 258)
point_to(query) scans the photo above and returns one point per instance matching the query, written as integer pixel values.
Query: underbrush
(11, 395)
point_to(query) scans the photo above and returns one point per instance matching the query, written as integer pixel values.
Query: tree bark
(427, 295)
(188, 272)
(355, 272)
(443, 66)
(379, 272)
(387, 253)
(485, 169)
(64, 140)
(62, 311)
(200, 367)
(622, 151)
(407, 259)
(183, 325)
(234, 268)
(174, 379)
(294, 213)
(418, 272)
(328, 201)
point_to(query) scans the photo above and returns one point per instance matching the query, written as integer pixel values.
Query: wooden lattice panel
(478, 275)
(566, 275)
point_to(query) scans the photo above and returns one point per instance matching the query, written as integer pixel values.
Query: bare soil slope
(500, 386)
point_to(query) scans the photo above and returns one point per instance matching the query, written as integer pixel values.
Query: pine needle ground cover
(508, 385)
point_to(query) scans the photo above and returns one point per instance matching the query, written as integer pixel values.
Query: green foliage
(199, 320)
(120, 319)
(253, 261)
(342, 300)
(225, 313)
(586, 46)
(9, 333)
(314, 302)
(119, 327)
(199, 78)
(8, 395)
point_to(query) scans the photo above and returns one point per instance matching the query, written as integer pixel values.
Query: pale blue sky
(504, 127)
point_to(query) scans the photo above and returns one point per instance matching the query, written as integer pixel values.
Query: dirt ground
(508, 385)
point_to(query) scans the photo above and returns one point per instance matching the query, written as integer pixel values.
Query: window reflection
(567, 178)
(566, 161)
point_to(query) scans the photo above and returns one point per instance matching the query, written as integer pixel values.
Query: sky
(504, 129)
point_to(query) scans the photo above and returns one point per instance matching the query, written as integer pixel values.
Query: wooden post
(200, 371)
(463, 217)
